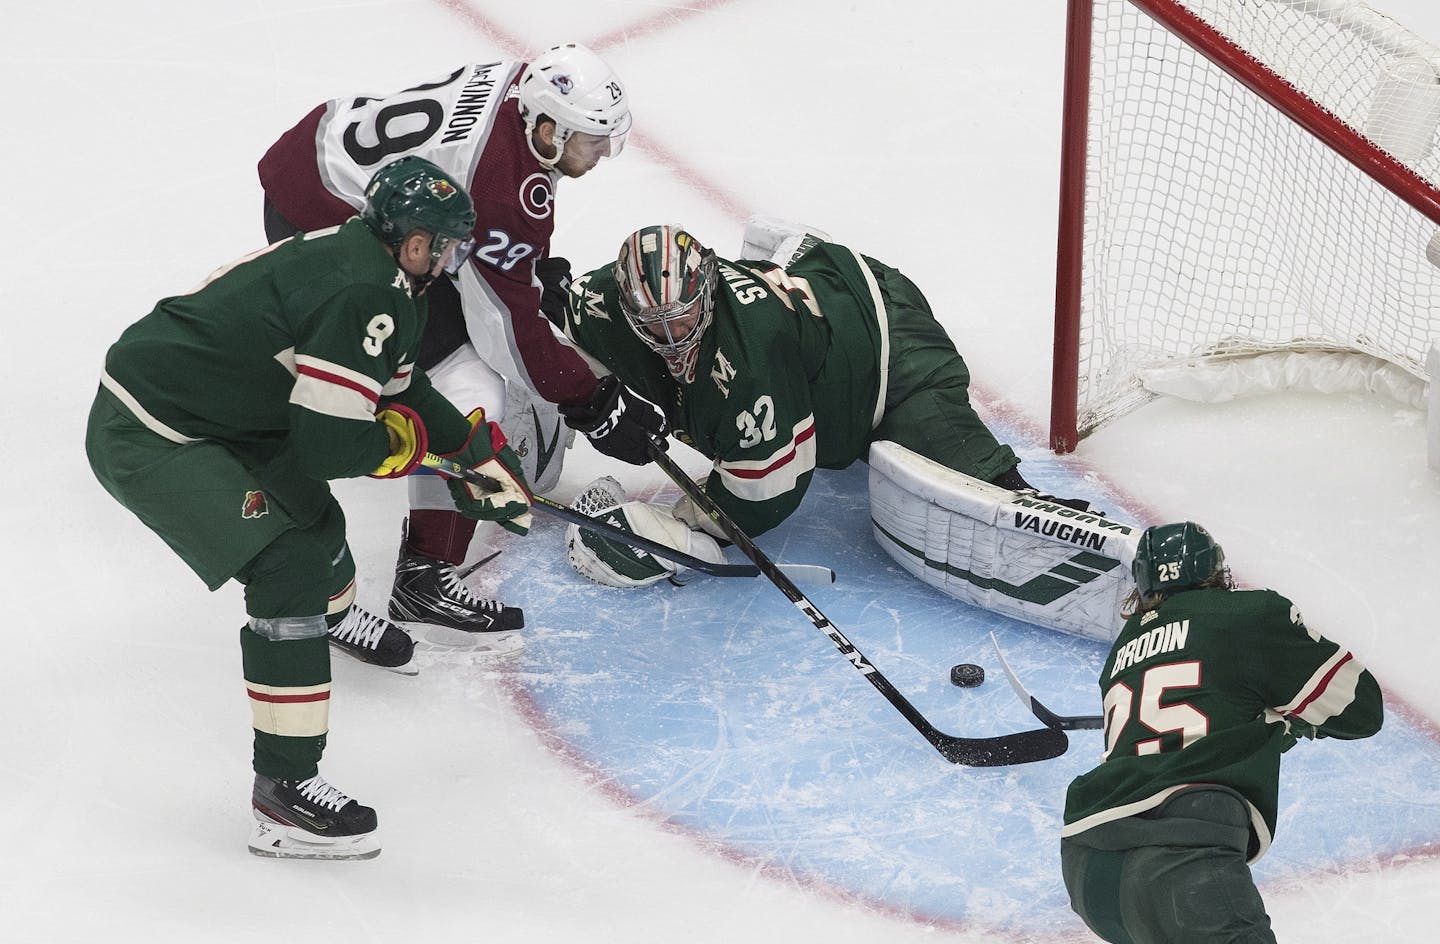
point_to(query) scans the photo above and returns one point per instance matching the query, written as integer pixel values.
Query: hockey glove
(554, 276)
(487, 451)
(614, 564)
(408, 441)
(618, 423)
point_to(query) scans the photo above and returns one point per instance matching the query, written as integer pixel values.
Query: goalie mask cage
(1240, 177)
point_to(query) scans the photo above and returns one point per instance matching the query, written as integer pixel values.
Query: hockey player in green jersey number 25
(1203, 690)
(223, 414)
(795, 359)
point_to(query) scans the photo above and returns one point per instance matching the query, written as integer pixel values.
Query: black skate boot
(309, 819)
(375, 640)
(432, 592)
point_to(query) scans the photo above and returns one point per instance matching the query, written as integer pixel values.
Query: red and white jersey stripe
(290, 711)
(775, 474)
(1329, 691)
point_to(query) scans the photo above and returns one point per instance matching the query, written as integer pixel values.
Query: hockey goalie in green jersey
(772, 368)
(1204, 689)
(223, 414)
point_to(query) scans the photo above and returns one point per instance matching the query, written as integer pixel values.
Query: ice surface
(692, 764)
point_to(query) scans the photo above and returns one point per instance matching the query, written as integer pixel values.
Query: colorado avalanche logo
(563, 83)
(441, 189)
(536, 196)
(254, 506)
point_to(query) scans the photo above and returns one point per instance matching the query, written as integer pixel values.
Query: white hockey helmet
(575, 88)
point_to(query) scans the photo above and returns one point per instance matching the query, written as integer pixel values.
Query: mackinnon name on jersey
(1083, 528)
(470, 106)
(1161, 639)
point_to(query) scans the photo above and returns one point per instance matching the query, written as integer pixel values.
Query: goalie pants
(281, 536)
(927, 403)
(1177, 873)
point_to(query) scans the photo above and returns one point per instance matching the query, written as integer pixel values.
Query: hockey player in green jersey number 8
(796, 359)
(223, 414)
(1203, 690)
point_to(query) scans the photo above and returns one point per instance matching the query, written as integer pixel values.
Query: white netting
(1215, 223)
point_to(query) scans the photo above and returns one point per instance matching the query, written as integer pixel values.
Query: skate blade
(277, 841)
(444, 639)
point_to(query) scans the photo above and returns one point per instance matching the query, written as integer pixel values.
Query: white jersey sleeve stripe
(306, 365)
(333, 390)
(763, 479)
(1329, 691)
(400, 382)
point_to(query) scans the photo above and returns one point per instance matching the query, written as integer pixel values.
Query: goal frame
(1272, 88)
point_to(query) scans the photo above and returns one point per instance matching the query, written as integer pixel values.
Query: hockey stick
(1050, 718)
(805, 573)
(1022, 748)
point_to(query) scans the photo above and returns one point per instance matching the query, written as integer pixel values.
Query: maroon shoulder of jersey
(515, 219)
(290, 177)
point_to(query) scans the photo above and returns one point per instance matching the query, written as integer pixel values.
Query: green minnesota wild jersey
(288, 349)
(1196, 692)
(789, 376)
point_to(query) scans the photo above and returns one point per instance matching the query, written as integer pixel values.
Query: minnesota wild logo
(254, 505)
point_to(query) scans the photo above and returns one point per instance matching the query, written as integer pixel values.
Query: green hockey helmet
(667, 284)
(412, 193)
(1175, 557)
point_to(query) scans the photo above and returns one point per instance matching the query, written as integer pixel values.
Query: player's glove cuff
(408, 441)
(487, 451)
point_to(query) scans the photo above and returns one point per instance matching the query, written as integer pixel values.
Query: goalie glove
(617, 422)
(486, 451)
(408, 441)
(614, 564)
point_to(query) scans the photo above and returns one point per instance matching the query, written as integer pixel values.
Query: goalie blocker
(1004, 551)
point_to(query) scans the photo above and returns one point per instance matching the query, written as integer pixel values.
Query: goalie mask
(667, 283)
(1175, 557)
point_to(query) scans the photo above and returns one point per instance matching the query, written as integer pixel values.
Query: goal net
(1242, 180)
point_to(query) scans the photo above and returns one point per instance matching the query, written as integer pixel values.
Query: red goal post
(1240, 177)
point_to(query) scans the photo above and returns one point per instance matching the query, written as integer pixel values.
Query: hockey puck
(966, 675)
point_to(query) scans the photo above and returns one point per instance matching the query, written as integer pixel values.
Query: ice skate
(374, 640)
(309, 819)
(432, 593)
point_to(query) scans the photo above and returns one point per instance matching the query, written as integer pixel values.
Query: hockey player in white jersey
(510, 131)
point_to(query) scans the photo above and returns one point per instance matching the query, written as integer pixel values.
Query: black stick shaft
(1021, 748)
(566, 513)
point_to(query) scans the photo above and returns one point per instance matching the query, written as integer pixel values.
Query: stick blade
(809, 574)
(1006, 750)
(1046, 716)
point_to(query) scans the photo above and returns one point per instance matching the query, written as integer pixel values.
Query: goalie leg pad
(1010, 553)
(778, 241)
(614, 564)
